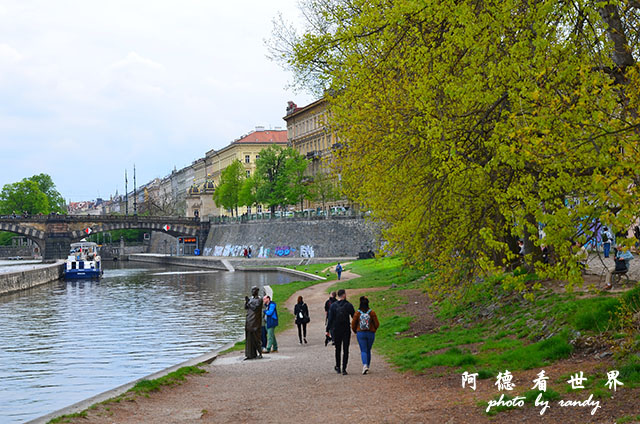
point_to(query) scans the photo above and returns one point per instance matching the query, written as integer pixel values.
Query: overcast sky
(88, 88)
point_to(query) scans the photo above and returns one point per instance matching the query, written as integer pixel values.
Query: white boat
(83, 261)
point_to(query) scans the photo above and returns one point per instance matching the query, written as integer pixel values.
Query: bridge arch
(35, 235)
(175, 230)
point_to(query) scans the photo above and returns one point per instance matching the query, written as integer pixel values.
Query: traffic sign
(88, 230)
(166, 227)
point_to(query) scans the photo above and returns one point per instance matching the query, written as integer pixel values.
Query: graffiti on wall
(284, 251)
(305, 251)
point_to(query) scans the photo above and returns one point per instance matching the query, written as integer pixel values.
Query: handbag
(300, 315)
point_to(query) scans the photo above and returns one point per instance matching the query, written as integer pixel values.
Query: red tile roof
(264, 136)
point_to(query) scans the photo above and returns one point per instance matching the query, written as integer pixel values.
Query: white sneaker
(365, 369)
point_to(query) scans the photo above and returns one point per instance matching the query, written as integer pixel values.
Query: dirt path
(298, 385)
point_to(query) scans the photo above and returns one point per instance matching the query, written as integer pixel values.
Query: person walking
(338, 324)
(327, 306)
(364, 324)
(272, 322)
(339, 270)
(301, 312)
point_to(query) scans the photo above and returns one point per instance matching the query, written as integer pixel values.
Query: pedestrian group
(341, 318)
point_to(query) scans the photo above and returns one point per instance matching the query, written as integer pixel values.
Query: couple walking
(341, 320)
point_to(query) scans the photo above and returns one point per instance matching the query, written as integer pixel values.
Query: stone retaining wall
(293, 238)
(22, 280)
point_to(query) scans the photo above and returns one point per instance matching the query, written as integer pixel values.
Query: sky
(89, 88)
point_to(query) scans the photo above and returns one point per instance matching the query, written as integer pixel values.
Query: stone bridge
(55, 233)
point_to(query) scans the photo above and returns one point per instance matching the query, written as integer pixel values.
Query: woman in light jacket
(364, 324)
(301, 311)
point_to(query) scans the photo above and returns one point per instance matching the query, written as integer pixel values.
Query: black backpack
(342, 315)
(605, 237)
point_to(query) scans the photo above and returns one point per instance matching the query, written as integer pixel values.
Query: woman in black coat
(301, 311)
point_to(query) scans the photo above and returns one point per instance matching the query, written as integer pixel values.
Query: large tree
(23, 196)
(228, 190)
(470, 124)
(279, 176)
(46, 185)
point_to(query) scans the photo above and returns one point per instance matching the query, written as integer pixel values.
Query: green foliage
(247, 194)
(34, 195)
(129, 236)
(23, 196)
(279, 174)
(46, 185)
(628, 419)
(5, 238)
(506, 116)
(324, 188)
(231, 182)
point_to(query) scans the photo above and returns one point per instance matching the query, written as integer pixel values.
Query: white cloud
(157, 83)
(9, 54)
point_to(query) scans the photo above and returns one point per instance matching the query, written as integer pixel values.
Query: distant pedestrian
(364, 324)
(272, 322)
(249, 251)
(245, 252)
(327, 306)
(339, 324)
(339, 270)
(606, 241)
(301, 311)
(253, 305)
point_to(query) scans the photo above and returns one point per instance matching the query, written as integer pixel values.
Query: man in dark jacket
(339, 326)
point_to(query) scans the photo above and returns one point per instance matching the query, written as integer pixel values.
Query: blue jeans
(607, 247)
(365, 340)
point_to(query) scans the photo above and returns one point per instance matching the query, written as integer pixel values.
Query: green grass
(143, 387)
(176, 377)
(67, 418)
(377, 272)
(628, 419)
(317, 269)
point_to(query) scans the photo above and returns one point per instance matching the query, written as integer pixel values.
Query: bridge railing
(293, 216)
(99, 218)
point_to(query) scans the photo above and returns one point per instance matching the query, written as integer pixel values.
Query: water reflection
(67, 341)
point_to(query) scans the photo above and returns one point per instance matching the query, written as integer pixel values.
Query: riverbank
(488, 332)
(24, 277)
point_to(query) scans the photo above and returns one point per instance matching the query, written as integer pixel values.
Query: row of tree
(279, 181)
(470, 125)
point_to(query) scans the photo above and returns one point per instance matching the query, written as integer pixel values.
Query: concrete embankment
(11, 282)
(238, 263)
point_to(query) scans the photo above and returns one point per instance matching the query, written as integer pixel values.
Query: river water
(64, 341)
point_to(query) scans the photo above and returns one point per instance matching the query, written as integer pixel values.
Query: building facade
(308, 132)
(208, 170)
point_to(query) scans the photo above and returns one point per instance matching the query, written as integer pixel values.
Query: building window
(249, 210)
(257, 157)
(248, 173)
(259, 208)
(246, 159)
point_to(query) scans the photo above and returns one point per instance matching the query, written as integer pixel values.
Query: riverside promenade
(296, 384)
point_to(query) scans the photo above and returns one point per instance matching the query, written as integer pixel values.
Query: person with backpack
(606, 241)
(301, 312)
(364, 324)
(272, 322)
(339, 270)
(339, 326)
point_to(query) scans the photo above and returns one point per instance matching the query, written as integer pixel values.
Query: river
(66, 341)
